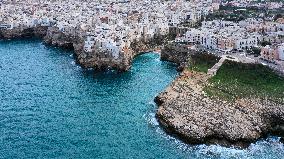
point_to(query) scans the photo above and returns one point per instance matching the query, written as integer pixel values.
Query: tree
(277, 16)
(256, 50)
(264, 43)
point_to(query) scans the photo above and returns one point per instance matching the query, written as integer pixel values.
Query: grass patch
(236, 80)
(202, 62)
(236, 14)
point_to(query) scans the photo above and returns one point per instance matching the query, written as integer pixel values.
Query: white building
(281, 51)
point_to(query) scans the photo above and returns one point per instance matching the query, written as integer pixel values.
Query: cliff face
(98, 59)
(179, 54)
(102, 60)
(185, 110)
(38, 32)
(55, 37)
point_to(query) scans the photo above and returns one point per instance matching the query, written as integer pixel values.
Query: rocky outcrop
(74, 39)
(177, 53)
(105, 60)
(55, 37)
(20, 32)
(185, 110)
(97, 59)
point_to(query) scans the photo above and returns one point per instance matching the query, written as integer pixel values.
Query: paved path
(212, 71)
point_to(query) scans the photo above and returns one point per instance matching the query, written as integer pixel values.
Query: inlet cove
(52, 108)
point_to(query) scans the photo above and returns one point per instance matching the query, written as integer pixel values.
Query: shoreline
(179, 93)
(188, 113)
(97, 59)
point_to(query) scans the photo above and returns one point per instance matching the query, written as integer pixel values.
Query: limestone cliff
(177, 53)
(57, 38)
(23, 32)
(98, 59)
(186, 111)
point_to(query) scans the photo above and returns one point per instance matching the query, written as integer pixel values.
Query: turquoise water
(51, 108)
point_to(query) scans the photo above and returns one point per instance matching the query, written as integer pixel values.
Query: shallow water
(51, 108)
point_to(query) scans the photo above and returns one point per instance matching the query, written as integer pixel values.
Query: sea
(52, 108)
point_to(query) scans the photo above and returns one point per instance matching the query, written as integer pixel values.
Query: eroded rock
(74, 39)
(185, 110)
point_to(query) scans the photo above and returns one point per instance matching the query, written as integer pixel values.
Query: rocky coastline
(177, 53)
(16, 33)
(96, 59)
(186, 111)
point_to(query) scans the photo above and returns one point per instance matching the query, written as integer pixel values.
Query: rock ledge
(186, 111)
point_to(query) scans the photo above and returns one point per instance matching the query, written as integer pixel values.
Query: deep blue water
(51, 108)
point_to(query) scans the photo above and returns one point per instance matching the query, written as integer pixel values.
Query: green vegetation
(264, 43)
(278, 16)
(236, 14)
(254, 51)
(236, 80)
(202, 62)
